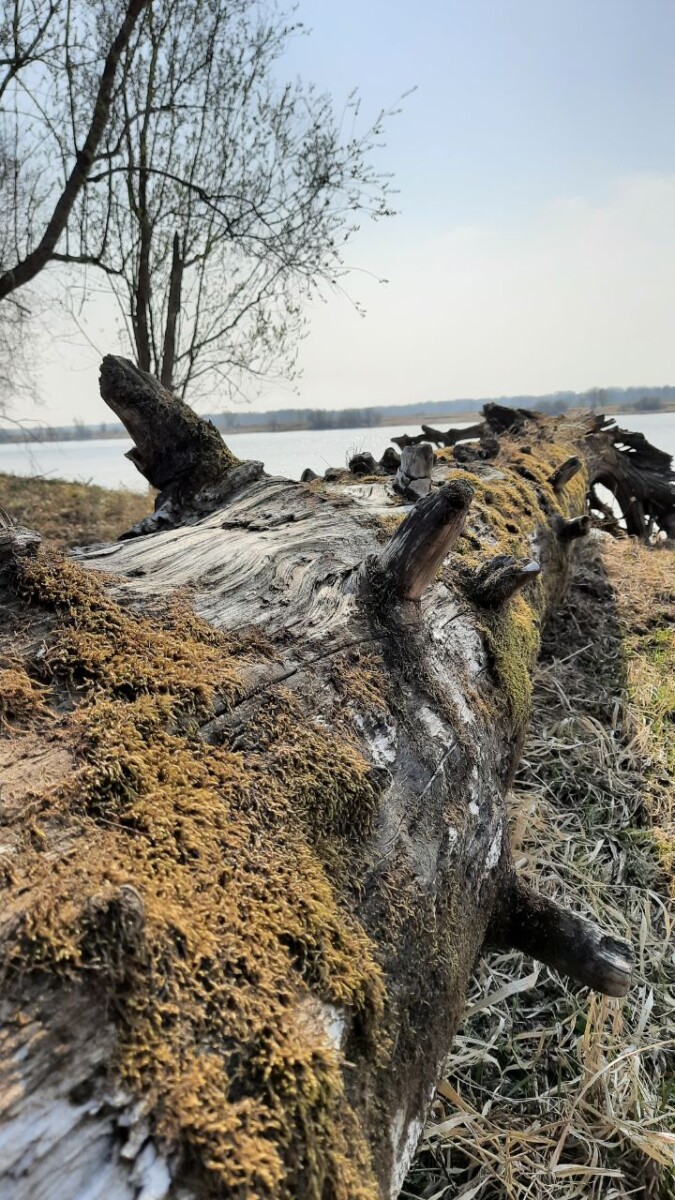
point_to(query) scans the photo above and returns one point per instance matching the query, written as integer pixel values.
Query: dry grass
(72, 514)
(555, 1091)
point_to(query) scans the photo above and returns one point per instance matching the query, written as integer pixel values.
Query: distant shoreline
(48, 435)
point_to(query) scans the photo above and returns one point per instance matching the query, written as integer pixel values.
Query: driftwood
(450, 438)
(256, 859)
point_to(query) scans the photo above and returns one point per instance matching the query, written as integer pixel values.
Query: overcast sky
(535, 245)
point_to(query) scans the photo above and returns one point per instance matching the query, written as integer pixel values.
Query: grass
(554, 1091)
(72, 514)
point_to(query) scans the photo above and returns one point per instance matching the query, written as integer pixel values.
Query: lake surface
(103, 462)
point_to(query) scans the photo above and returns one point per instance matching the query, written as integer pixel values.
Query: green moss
(513, 639)
(511, 503)
(202, 905)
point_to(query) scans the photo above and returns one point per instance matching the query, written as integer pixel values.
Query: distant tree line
(241, 421)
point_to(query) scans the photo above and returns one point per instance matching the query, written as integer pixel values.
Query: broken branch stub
(564, 473)
(172, 444)
(15, 540)
(569, 531)
(409, 562)
(494, 583)
(549, 932)
(413, 477)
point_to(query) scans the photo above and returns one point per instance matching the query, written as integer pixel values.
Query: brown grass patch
(72, 514)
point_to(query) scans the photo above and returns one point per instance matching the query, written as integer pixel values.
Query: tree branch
(33, 263)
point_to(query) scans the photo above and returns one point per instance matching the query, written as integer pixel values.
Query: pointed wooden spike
(172, 444)
(409, 562)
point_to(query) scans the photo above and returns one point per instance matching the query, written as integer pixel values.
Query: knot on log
(568, 531)
(494, 583)
(564, 473)
(409, 562)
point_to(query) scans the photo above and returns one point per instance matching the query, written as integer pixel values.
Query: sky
(534, 245)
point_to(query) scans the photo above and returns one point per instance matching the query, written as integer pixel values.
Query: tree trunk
(267, 846)
(173, 310)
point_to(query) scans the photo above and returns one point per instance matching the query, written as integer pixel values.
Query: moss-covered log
(255, 768)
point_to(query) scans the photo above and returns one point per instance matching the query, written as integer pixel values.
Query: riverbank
(103, 462)
(72, 514)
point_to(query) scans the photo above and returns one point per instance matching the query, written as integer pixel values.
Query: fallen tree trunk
(255, 810)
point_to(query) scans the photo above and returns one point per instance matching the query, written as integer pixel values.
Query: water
(103, 462)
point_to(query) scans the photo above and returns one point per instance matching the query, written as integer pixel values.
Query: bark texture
(244, 900)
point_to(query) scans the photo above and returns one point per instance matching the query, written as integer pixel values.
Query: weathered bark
(638, 474)
(406, 656)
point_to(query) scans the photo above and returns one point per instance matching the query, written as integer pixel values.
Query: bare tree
(56, 96)
(222, 198)
(47, 63)
(154, 142)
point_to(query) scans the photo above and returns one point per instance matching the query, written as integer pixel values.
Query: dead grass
(555, 1091)
(72, 514)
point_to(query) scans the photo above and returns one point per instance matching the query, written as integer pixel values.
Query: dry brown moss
(388, 523)
(102, 644)
(22, 700)
(359, 676)
(198, 901)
